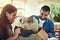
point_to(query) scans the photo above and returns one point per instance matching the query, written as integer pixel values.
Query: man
(45, 23)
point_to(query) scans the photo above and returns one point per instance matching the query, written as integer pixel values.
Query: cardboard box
(42, 35)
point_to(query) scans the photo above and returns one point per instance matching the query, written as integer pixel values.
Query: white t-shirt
(41, 22)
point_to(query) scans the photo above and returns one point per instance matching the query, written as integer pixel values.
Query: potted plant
(57, 18)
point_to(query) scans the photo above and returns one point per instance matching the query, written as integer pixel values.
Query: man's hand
(30, 20)
(41, 28)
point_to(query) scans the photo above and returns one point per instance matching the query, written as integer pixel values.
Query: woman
(7, 17)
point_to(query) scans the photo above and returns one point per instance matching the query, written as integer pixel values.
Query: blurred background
(32, 7)
(26, 8)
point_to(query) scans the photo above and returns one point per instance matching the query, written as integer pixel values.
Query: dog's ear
(20, 20)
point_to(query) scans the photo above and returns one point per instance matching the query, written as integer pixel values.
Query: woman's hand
(17, 32)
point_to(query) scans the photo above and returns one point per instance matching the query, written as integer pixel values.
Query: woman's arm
(16, 33)
(14, 37)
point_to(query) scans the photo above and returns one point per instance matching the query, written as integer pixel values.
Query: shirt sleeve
(52, 32)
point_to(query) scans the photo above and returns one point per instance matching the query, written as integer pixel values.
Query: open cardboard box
(42, 35)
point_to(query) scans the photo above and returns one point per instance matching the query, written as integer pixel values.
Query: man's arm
(52, 32)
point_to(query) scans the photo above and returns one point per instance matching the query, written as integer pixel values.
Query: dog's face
(29, 23)
(26, 23)
(23, 20)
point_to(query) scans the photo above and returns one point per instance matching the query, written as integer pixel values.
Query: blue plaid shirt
(2, 37)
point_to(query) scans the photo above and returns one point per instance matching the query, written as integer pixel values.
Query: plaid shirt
(2, 37)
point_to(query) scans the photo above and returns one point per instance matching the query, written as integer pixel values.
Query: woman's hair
(4, 22)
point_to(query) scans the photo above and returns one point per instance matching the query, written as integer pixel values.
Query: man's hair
(45, 8)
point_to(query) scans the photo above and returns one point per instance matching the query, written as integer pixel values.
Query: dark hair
(45, 8)
(4, 22)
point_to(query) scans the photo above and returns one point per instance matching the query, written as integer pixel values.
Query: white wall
(32, 8)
